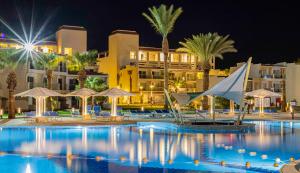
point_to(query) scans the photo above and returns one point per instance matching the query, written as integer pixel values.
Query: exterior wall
(120, 43)
(266, 76)
(293, 82)
(67, 37)
(147, 66)
(71, 37)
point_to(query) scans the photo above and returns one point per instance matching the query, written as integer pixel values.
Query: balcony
(151, 77)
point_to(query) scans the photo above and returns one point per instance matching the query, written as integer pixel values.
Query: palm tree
(177, 84)
(95, 83)
(163, 20)
(130, 84)
(207, 47)
(49, 62)
(9, 59)
(79, 61)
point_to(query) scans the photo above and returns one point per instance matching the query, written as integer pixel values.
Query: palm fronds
(163, 18)
(207, 46)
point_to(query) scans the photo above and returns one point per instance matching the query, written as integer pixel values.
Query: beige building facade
(69, 40)
(140, 70)
(293, 82)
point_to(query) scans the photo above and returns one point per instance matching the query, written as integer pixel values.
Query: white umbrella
(114, 93)
(84, 93)
(261, 94)
(40, 94)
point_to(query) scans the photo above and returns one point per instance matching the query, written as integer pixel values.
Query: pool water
(146, 148)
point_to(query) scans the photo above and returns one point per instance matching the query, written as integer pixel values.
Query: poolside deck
(70, 121)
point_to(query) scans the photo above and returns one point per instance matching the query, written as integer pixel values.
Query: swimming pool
(146, 147)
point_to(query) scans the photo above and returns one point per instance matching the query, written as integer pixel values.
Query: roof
(123, 32)
(68, 27)
(155, 49)
(38, 92)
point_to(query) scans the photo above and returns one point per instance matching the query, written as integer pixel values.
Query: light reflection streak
(29, 39)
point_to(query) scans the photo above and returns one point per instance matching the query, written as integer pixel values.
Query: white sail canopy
(231, 88)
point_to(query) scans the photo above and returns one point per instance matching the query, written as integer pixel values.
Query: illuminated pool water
(146, 147)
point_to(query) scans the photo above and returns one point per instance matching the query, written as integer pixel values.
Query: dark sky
(267, 30)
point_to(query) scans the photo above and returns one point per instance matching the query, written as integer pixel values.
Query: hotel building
(69, 40)
(266, 76)
(140, 70)
(293, 82)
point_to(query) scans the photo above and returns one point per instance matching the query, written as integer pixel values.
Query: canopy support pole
(84, 106)
(242, 104)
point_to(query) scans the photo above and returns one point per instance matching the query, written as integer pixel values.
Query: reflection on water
(155, 147)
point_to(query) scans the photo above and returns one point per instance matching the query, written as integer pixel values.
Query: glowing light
(29, 47)
(29, 39)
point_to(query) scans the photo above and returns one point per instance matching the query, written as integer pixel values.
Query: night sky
(267, 30)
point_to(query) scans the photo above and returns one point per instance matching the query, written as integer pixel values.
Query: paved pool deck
(69, 121)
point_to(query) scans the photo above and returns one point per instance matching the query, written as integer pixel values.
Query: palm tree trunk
(283, 104)
(49, 74)
(81, 78)
(165, 50)
(11, 86)
(205, 87)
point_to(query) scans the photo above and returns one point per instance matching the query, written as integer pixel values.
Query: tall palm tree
(49, 62)
(9, 59)
(163, 20)
(79, 61)
(206, 47)
(130, 84)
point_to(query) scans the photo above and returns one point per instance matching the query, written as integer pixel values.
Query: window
(153, 56)
(62, 67)
(174, 57)
(132, 55)
(68, 51)
(45, 49)
(156, 75)
(184, 58)
(72, 84)
(60, 84)
(142, 56)
(30, 82)
(192, 59)
(161, 56)
(142, 74)
(45, 82)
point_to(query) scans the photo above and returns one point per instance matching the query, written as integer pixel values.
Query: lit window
(174, 57)
(192, 59)
(68, 51)
(45, 50)
(153, 56)
(132, 55)
(161, 56)
(184, 58)
(142, 56)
